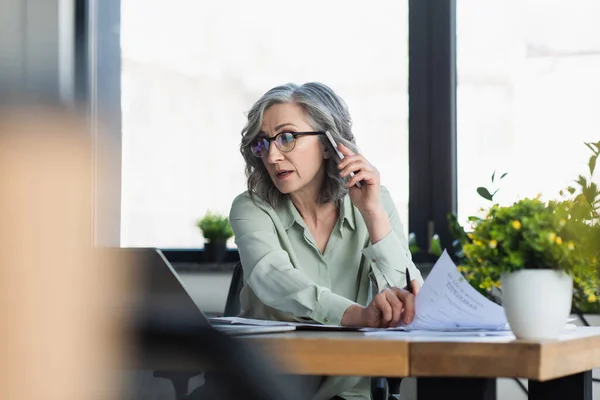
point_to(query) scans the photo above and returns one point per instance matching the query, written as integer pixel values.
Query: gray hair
(325, 111)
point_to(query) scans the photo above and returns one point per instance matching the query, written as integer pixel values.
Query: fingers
(344, 150)
(380, 301)
(416, 286)
(390, 308)
(408, 302)
(397, 308)
(367, 177)
(395, 305)
(363, 171)
(355, 166)
(355, 160)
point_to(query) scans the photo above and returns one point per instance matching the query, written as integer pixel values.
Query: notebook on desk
(160, 290)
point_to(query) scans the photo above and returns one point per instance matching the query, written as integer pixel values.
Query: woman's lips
(283, 174)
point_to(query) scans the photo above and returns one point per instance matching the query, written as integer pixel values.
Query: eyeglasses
(285, 141)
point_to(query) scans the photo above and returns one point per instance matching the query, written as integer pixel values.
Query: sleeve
(390, 257)
(270, 273)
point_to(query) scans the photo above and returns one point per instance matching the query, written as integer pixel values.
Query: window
(528, 96)
(190, 71)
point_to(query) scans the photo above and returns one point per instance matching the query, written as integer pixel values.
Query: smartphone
(339, 153)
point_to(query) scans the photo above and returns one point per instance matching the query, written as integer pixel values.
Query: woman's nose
(274, 154)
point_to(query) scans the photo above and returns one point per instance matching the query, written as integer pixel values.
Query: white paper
(262, 322)
(247, 321)
(448, 302)
(434, 334)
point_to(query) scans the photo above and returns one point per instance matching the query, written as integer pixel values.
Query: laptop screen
(156, 290)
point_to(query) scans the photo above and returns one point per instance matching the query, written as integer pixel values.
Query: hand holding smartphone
(339, 153)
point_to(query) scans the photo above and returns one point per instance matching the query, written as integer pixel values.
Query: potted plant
(525, 247)
(541, 257)
(216, 230)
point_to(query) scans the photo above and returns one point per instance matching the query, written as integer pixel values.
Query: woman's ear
(326, 153)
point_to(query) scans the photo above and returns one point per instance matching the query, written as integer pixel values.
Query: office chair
(232, 304)
(385, 388)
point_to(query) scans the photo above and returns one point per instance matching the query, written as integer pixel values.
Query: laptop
(159, 289)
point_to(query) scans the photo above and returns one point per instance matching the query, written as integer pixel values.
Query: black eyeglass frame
(294, 134)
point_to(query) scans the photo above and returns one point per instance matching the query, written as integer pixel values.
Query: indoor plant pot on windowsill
(216, 230)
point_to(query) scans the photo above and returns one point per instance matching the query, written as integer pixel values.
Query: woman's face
(300, 169)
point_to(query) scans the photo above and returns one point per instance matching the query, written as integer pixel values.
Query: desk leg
(578, 386)
(456, 388)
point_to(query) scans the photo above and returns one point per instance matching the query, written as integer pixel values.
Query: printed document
(448, 302)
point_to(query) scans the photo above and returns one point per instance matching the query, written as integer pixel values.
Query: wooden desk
(555, 369)
(447, 368)
(336, 353)
(504, 357)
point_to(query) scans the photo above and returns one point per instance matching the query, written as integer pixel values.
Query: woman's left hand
(368, 197)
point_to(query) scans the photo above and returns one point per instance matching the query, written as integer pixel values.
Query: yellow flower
(516, 225)
(493, 244)
(552, 236)
(592, 298)
(558, 240)
(571, 246)
(470, 235)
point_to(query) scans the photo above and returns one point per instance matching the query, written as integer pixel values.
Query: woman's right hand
(387, 309)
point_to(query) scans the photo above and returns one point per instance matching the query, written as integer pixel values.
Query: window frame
(432, 118)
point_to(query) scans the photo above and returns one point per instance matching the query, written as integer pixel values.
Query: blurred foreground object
(71, 316)
(61, 336)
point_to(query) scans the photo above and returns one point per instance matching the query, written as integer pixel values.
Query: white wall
(208, 290)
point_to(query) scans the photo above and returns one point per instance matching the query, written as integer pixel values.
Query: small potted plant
(527, 248)
(216, 230)
(541, 258)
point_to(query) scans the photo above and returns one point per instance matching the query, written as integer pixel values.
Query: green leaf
(503, 175)
(582, 181)
(592, 163)
(592, 145)
(571, 189)
(493, 175)
(483, 192)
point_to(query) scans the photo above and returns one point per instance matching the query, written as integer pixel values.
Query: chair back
(232, 305)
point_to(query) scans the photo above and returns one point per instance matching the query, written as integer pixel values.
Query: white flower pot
(537, 303)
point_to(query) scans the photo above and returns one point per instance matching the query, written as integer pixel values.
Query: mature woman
(310, 241)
